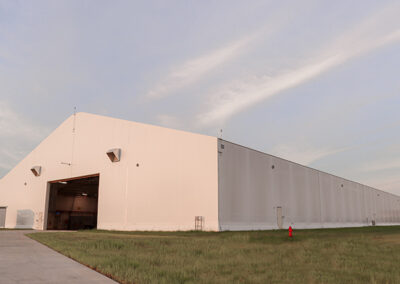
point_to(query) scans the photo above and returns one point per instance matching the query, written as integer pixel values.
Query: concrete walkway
(23, 260)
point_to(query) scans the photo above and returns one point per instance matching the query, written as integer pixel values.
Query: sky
(314, 82)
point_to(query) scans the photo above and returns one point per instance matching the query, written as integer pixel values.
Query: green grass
(353, 255)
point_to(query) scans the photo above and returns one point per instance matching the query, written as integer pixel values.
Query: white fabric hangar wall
(259, 191)
(165, 177)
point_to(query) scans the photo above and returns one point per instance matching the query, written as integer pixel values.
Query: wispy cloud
(168, 121)
(194, 69)
(234, 97)
(13, 124)
(390, 183)
(14, 129)
(375, 166)
(393, 185)
(304, 155)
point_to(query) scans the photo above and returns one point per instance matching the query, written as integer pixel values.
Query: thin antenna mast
(73, 129)
(73, 140)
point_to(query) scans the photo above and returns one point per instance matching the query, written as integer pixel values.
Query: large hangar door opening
(73, 204)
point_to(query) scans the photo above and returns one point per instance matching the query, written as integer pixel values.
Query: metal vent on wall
(36, 170)
(114, 154)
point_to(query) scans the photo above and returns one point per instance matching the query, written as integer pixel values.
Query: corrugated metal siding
(253, 184)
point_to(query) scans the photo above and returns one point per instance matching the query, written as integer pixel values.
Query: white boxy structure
(106, 173)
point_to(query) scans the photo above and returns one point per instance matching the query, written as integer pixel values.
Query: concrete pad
(23, 260)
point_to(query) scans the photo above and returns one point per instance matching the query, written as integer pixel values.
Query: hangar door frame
(50, 182)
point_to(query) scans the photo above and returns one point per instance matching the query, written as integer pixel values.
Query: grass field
(354, 255)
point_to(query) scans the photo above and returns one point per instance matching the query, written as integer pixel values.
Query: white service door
(279, 217)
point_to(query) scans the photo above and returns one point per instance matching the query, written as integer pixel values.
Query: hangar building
(100, 172)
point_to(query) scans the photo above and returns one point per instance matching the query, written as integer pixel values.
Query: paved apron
(23, 260)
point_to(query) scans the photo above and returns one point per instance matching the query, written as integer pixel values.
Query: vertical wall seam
(320, 200)
(127, 182)
(73, 143)
(126, 196)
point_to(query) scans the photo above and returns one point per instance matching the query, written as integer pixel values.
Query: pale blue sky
(316, 82)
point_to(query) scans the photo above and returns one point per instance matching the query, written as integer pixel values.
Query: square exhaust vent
(114, 154)
(36, 170)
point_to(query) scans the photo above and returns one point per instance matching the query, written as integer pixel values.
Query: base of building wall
(224, 227)
(22, 227)
(156, 227)
(270, 226)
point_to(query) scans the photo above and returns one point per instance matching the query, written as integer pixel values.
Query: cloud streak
(13, 129)
(233, 98)
(12, 125)
(304, 155)
(391, 164)
(193, 70)
(169, 121)
(389, 183)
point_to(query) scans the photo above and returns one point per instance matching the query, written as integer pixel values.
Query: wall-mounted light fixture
(114, 154)
(36, 170)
